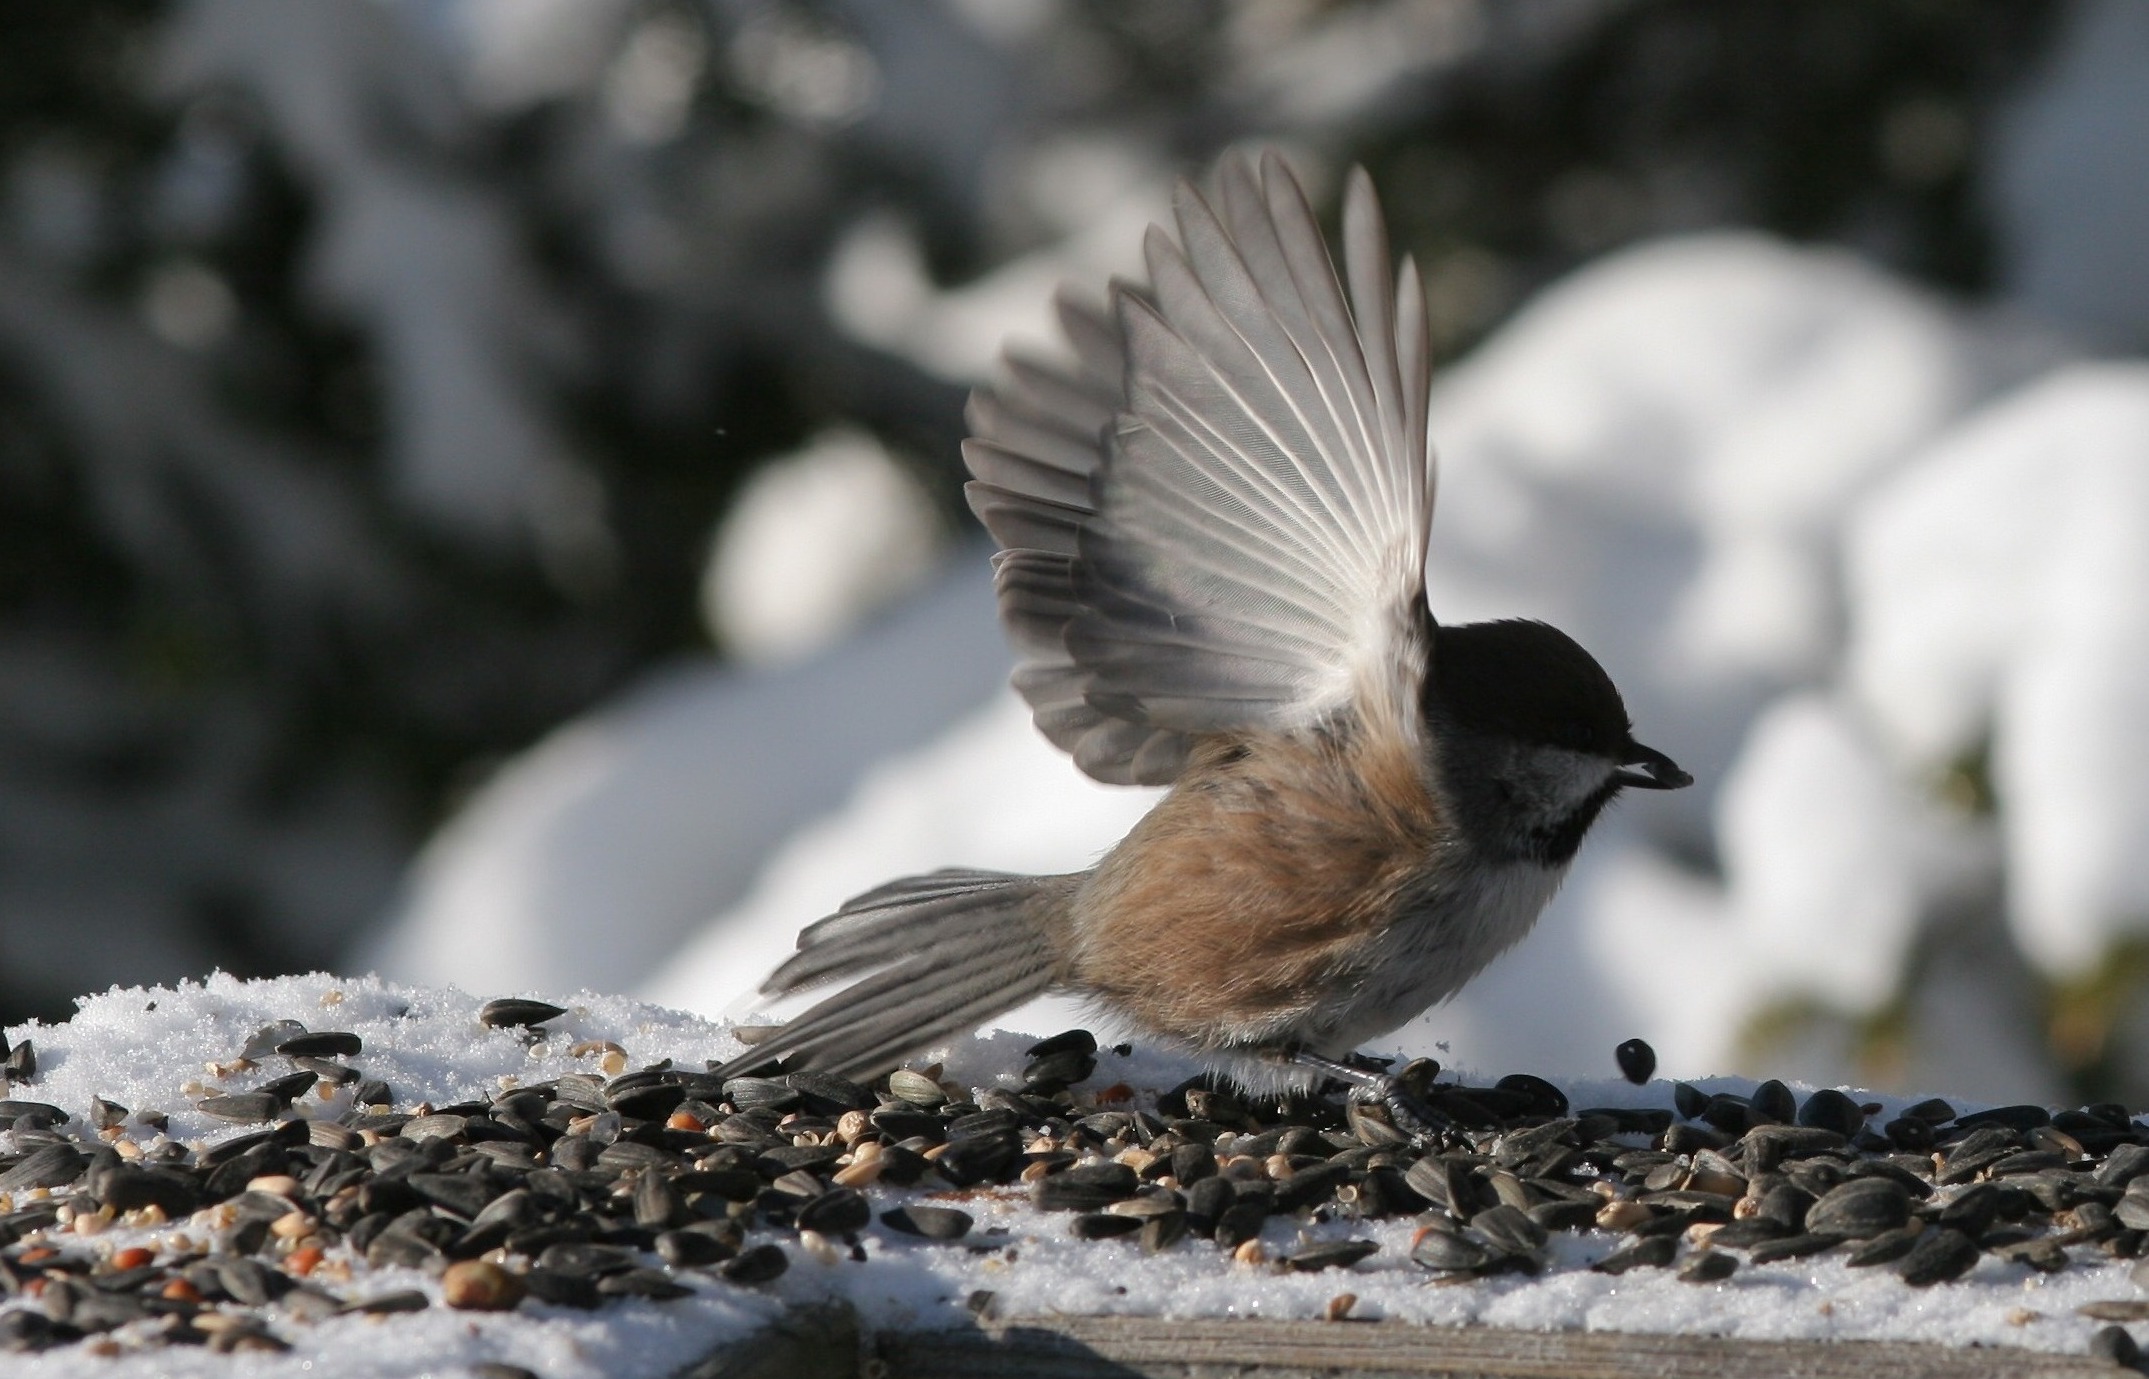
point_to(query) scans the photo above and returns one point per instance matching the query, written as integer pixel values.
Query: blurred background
(479, 495)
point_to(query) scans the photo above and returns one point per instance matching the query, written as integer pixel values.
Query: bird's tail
(946, 952)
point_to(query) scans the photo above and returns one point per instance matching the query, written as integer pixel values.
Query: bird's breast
(1251, 902)
(1464, 916)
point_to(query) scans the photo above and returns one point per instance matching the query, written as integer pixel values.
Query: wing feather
(1216, 520)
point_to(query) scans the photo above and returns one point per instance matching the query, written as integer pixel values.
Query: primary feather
(1217, 521)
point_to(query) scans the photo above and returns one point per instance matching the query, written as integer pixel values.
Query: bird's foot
(1401, 1094)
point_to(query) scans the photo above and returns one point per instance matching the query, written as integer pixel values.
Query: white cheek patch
(1551, 781)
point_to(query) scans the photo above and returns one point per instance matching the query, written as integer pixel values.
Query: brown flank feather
(1237, 901)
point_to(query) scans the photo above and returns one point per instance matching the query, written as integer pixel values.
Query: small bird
(1213, 530)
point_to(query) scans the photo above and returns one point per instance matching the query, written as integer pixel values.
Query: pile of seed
(660, 1182)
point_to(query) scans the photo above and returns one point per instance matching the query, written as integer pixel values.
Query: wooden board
(825, 1343)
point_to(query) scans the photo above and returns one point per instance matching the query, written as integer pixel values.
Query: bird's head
(1531, 738)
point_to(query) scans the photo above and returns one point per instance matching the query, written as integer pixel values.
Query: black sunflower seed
(903, 1125)
(242, 1107)
(933, 1223)
(1206, 1203)
(2012, 1117)
(1103, 1226)
(653, 1101)
(1708, 1266)
(1565, 1216)
(1239, 1222)
(974, 1159)
(1772, 1103)
(511, 1012)
(2126, 1163)
(1792, 1247)
(1509, 1230)
(586, 1257)
(642, 1283)
(1162, 1231)
(1058, 1071)
(1940, 1257)
(692, 1249)
(760, 1264)
(825, 1092)
(2115, 1345)
(1342, 1254)
(1069, 1041)
(322, 1044)
(1829, 1109)
(1651, 1252)
(839, 1211)
(384, 1304)
(1859, 1209)
(13, 1111)
(457, 1193)
(403, 1248)
(1637, 1061)
(2133, 1211)
(55, 1165)
(130, 1188)
(566, 1289)
(1311, 1185)
(657, 1204)
(1445, 1252)
(1909, 1133)
(1087, 1188)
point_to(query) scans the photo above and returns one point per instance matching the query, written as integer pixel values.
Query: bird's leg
(1406, 1106)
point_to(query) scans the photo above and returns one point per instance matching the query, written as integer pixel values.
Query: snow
(141, 1046)
(597, 854)
(2001, 587)
(1833, 862)
(813, 544)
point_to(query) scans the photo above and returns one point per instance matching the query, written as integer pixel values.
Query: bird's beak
(1646, 768)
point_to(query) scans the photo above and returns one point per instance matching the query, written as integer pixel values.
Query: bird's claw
(1396, 1093)
(1412, 1114)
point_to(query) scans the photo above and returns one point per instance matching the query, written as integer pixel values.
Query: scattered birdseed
(660, 1182)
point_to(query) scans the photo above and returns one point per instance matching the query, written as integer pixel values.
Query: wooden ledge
(827, 1343)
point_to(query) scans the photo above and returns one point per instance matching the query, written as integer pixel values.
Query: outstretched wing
(1218, 521)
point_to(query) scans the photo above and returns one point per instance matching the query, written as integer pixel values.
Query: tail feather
(888, 922)
(945, 952)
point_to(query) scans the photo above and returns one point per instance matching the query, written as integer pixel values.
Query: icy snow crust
(137, 1046)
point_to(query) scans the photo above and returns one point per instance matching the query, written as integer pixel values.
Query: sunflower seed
(1103, 1226)
(1708, 1266)
(1653, 1252)
(513, 1012)
(1859, 1209)
(933, 1223)
(1941, 1256)
(1637, 1061)
(322, 1044)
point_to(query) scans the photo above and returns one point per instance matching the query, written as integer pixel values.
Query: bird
(1213, 528)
